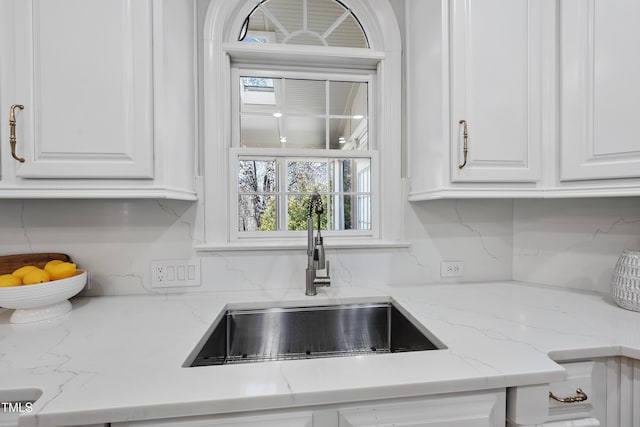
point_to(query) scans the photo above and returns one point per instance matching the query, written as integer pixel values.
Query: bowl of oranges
(41, 293)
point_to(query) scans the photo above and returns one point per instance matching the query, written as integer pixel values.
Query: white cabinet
(468, 410)
(479, 67)
(600, 92)
(86, 83)
(583, 394)
(606, 392)
(295, 419)
(623, 392)
(546, 89)
(473, 409)
(496, 89)
(108, 89)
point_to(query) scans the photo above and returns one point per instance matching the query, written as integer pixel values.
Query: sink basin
(265, 334)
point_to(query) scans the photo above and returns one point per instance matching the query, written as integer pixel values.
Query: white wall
(573, 243)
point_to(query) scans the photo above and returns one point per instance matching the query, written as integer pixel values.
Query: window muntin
(304, 22)
(273, 192)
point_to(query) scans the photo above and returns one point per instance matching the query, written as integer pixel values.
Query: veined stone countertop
(120, 358)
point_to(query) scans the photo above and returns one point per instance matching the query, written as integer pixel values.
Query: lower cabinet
(475, 409)
(295, 419)
(597, 392)
(466, 410)
(623, 392)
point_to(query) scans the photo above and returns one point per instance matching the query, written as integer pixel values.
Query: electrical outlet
(158, 274)
(451, 268)
(173, 273)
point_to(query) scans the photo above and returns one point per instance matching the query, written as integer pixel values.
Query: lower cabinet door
(298, 419)
(460, 410)
(589, 377)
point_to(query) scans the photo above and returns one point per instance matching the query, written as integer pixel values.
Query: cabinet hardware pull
(465, 136)
(12, 131)
(581, 397)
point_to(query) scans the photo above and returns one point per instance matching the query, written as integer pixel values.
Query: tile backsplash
(116, 240)
(570, 243)
(573, 243)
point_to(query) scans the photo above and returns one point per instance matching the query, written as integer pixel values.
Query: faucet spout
(315, 250)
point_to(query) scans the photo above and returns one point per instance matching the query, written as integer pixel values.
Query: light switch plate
(173, 273)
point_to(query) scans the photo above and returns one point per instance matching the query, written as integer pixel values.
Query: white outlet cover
(452, 269)
(175, 273)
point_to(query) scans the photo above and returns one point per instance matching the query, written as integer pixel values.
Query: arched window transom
(303, 22)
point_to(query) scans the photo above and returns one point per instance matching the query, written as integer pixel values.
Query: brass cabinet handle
(581, 397)
(465, 148)
(12, 131)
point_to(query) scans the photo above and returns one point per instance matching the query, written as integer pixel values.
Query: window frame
(236, 151)
(221, 52)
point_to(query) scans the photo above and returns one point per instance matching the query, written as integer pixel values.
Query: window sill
(299, 245)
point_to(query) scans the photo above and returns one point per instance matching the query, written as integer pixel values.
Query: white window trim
(222, 24)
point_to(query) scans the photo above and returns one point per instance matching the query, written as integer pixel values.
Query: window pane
(256, 212)
(258, 94)
(256, 176)
(307, 176)
(298, 213)
(348, 134)
(305, 97)
(363, 212)
(260, 131)
(304, 132)
(343, 172)
(348, 99)
(306, 22)
(342, 214)
(348, 34)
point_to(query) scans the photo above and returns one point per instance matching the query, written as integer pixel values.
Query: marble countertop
(120, 358)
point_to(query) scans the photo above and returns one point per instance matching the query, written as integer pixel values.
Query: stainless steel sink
(256, 335)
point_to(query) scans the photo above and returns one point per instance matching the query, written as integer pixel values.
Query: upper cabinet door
(600, 93)
(83, 71)
(496, 89)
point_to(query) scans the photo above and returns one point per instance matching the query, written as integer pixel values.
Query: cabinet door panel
(495, 71)
(84, 75)
(590, 377)
(471, 410)
(302, 419)
(600, 95)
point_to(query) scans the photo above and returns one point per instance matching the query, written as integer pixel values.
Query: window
(295, 137)
(304, 22)
(300, 99)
